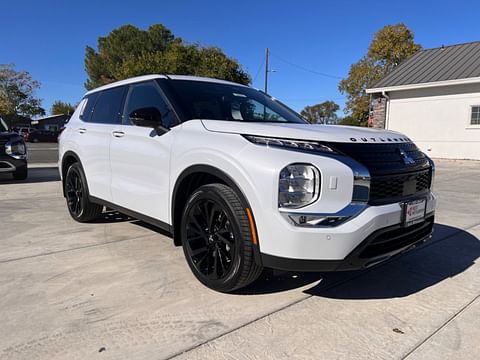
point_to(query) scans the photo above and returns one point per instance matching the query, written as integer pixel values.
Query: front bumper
(9, 164)
(380, 246)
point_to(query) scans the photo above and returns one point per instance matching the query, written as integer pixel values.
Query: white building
(434, 98)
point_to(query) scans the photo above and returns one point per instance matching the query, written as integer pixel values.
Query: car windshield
(3, 126)
(216, 101)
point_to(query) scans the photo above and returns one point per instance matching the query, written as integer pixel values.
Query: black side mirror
(148, 117)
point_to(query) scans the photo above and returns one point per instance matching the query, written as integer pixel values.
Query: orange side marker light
(252, 226)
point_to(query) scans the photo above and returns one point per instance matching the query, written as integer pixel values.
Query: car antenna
(168, 77)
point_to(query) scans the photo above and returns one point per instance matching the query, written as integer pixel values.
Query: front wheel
(79, 205)
(217, 239)
(21, 173)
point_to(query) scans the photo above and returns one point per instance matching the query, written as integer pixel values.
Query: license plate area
(414, 212)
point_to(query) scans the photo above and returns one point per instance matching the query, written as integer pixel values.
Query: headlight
(313, 146)
(16, 149)
(299, 185)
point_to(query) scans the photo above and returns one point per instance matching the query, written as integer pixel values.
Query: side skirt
(155, 222)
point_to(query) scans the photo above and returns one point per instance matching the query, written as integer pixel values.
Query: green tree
(128, 51)
(62, 108)
(323, 113)
(17, 94)
(390, 46)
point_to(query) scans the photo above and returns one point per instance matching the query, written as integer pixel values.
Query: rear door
(100, 116)
(140, 156)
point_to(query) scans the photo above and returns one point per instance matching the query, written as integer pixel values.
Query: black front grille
(2, 146)
(394, 188)
(398, 170)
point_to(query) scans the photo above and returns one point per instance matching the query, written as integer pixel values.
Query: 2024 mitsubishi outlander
(241, 181)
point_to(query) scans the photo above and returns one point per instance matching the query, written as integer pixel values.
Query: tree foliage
(323, 113)
(62, 108)
(128, 51)
(17, 93)
(390, 46)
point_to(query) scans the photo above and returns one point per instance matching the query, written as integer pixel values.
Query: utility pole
(266, 70)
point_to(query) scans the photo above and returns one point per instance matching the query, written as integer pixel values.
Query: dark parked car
(42, 136)
(13, 153)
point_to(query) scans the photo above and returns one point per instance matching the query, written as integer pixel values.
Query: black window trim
(164, 97)
(98, 95)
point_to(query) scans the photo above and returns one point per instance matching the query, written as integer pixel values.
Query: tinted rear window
(108, 106)
(88, 108)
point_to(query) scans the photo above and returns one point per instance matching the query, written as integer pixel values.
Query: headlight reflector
(299, 185)
(304, 145)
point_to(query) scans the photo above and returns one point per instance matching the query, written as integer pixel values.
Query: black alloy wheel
(210, 240)
(76, 193)
(217, 239)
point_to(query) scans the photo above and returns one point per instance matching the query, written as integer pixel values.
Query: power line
(258, 71)
(304, 68)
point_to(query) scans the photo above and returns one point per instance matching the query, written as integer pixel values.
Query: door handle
(118, 134)
(82, 130)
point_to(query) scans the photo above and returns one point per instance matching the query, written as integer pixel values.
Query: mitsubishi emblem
(407, 160)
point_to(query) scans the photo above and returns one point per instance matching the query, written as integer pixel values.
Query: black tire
(76, 194)
(21, 173)
(217, 239)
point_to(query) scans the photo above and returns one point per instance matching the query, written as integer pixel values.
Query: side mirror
(148, 117)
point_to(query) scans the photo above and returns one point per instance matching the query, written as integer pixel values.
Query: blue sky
(48, 38)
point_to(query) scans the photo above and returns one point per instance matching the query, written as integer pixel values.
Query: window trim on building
(471, 123)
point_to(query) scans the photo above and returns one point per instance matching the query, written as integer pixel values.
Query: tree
(62, 108)
(17, 94)
(128, 51)
(390, 46)
(323, 113)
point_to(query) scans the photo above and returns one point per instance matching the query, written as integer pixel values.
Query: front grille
(393, 178)
(401, 237)
(393, 188)
(2, 146)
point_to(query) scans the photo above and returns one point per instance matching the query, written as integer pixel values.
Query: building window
(475, 119)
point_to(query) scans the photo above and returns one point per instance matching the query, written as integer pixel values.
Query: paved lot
(118, 289)
(42, 152)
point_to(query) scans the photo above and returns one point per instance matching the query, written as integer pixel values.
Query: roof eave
(471, 80)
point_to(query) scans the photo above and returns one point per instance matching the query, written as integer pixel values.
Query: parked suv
(41, 136)
(13, 153)
(243, 182)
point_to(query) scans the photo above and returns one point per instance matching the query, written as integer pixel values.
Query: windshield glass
(3, 126)
(207, 100)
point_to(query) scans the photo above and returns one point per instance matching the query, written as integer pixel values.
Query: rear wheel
(76, 193)
(217, 239)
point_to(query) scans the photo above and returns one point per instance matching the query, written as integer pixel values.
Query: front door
(140, 156)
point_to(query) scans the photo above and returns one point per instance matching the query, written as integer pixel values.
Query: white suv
(241, 181)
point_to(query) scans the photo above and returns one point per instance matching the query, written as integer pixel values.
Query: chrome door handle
(82, 130)
(118, 134)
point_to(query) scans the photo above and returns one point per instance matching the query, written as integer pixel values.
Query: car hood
(8, 135)
(328, 133)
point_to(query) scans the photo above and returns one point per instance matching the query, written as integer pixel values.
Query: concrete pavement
(119, 289)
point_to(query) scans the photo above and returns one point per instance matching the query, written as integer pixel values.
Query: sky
(48, 38)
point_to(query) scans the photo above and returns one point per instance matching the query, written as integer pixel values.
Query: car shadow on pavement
(449, 253)
(35, 175)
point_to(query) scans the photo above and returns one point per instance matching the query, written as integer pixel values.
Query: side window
(108, 105)
(88, 107)
(146, 95)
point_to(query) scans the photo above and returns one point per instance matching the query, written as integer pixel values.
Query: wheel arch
(192, 178)
(69, 158)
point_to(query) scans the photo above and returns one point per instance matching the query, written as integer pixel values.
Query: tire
(21, 173)
(217, 239)
(76, 194)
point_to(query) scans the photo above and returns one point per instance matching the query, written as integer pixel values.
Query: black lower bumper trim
(381, 245)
